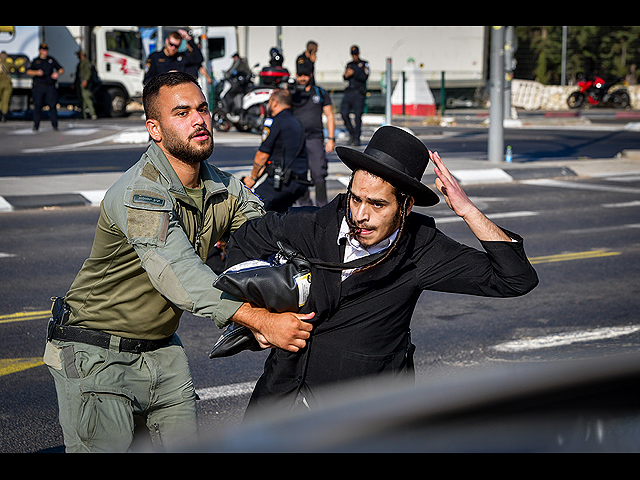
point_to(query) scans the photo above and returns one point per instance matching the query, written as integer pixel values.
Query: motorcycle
(249, 115)
(252, 112)
(595, 92)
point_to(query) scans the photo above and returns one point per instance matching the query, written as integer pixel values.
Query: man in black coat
(362, 318)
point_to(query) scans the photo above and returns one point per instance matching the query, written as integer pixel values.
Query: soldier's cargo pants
(100, 390)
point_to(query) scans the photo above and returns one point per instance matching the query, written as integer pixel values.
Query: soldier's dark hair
(152, 90)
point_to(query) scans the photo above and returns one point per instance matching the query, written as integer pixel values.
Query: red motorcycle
(595, 92)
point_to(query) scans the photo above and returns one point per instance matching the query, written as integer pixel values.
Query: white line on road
(579, 186)
(563, 339)
(492, 216)
(635, 203)
(225, 391)
(613, 228)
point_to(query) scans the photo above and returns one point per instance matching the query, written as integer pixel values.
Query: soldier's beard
(191, 152)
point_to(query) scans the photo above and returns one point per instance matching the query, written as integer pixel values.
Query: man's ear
(412, 202)
(153, 127)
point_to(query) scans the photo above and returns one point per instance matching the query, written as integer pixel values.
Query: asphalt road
(582, 235)
(80, 147)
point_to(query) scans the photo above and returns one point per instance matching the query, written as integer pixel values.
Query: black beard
(186, 152)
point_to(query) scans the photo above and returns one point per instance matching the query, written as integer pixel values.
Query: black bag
(281, 284)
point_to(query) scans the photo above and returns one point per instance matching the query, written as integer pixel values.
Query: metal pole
(510, 46)
(563, 80)
(404, 93)
(159, 38)
(389, 86)
(204, 43)
(496, 112)
(443, 94)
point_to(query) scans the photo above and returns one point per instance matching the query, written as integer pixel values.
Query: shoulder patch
(266, 131)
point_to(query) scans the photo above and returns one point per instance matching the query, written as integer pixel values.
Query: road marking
(635, 203)
(563, 339)
(579, 186)
(73, 146)
(225, 391)
(15, 365)
(493, 216)
(24, 316)
(566, 257)
(5, 206)
(6, 255)
(581, 231)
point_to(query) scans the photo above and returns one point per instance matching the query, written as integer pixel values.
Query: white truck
(116, 53)
(459, 51)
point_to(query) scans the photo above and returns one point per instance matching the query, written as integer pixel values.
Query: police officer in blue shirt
(45, 71)
(282, 156)
(170, 58)
(357, 74)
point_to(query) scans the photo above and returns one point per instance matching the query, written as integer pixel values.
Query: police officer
(170, 59)
(310, 102)
(282, 156)
(307, 59)
(45, 71)
(357, 74)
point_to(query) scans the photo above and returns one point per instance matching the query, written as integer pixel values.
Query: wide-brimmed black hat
(399, 158)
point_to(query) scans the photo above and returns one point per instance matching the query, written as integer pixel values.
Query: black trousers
(353, 101)
(280, 200)
(45, 95)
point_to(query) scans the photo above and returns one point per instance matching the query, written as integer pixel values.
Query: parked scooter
(247, 111)
(595, 92)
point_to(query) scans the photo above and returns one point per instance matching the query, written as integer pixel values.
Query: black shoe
(235, 339)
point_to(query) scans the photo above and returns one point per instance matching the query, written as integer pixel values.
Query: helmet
(277, 59)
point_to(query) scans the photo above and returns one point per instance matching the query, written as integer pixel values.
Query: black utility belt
(106, 340)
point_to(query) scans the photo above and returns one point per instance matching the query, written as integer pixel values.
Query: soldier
(5, 87)
(116, 334)
(84, 78)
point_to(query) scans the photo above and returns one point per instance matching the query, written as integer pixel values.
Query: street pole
(204, 42)
(510, 48)
(496, 83)
(159, 38)
(563, 79)
(388, 96)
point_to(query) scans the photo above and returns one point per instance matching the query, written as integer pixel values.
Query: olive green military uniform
(84, 73)
(146, 267)
(6, 90)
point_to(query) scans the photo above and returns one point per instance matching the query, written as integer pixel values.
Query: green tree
(611, 51)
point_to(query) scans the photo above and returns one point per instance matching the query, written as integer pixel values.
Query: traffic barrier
(418, 98)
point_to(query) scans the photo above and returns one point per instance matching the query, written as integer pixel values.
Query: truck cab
(118, 56)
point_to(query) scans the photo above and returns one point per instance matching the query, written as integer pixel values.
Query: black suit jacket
(362, 325)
